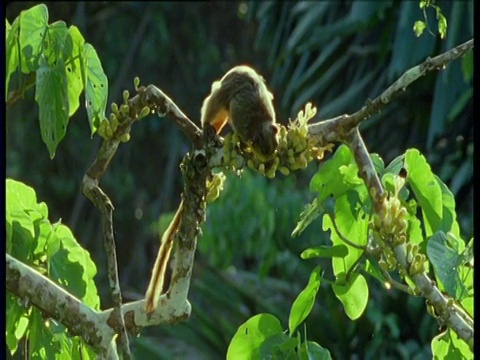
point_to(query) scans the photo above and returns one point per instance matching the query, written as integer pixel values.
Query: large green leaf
(250, 335)
(33, 238)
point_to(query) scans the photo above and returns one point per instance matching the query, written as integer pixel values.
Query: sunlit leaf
(11, 47)
(250, 335)
(325, 251)
(448, 346)
(33, 27)
(353, 295)
(419, 27)
(304, 302)
(444, 252)
(96, 89)
(311, 350)
(426, 188)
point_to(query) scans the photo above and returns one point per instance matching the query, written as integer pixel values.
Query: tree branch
(336, 129)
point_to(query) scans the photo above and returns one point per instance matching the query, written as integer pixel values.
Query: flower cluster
(295, 148)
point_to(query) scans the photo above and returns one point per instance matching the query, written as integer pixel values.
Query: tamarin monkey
(242, 99)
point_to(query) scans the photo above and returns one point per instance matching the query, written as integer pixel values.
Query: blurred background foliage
(335, 54)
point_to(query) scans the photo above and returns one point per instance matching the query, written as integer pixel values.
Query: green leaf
(426, 189)
(33, 26)
(448, 346)
(42, 344)
(250, 335)
(418, 28)
(353, 294)
(96, 89)
(311, 350)
(444, 252)
(310, 213)
(21, 205)
(325, 251)
(16, 322)
(75, 69)
(51, 95)
(32, 234)
(352, 224)
(72, 267)
(414, 231)
(378, 163)
(333, 175)
(19, 196)
(304, 302)
(442, 24)
(60, 44)
(395, 165)
(449, 220)
(278, 346)
(11, 47)
(467, 66)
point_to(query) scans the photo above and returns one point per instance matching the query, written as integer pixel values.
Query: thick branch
(80, 319)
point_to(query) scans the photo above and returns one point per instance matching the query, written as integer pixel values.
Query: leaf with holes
(75, 69)
(96, 90)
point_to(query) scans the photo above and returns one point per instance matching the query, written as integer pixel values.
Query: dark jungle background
(335, 54)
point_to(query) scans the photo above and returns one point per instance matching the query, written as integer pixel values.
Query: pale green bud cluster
(295, 149)
(215, 187)
(391, 225)
(391, 220)
(119, 116)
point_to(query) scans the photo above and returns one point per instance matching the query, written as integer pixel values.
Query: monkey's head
(264, 141)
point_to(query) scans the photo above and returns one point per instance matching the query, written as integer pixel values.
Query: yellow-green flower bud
(136, 82)
(126, 95)
(124, 137)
